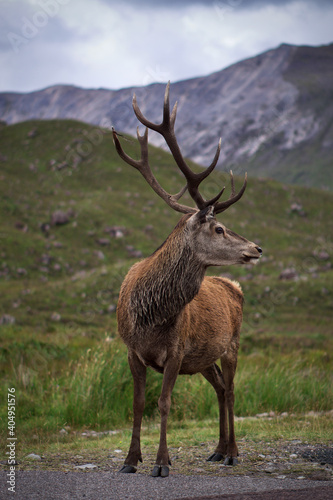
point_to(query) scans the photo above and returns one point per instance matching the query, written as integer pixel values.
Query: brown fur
(177, 321)
(170, 316)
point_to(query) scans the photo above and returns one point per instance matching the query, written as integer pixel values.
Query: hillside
(73, 228)
(274, 113)
(73, 218)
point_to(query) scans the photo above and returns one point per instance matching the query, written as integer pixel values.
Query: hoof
(215, 457)
(160, 471)
(231, 461)
(128, 469)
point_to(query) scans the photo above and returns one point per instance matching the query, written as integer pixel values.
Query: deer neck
(171, 279)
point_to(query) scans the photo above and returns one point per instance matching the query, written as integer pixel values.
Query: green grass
(62, 354)
(96, 390)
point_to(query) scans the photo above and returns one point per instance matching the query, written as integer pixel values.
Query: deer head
(212, 242)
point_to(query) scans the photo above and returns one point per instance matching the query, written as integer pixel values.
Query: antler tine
(167, 125)
(143, 166)
(180, 194)
(166, 129)
(223, 205)
(142, 118)
(124, 156)
(211, 167)
(166, 106)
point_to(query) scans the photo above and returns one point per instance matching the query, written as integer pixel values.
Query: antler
(166, 129)
(143, 166)
(221, 206)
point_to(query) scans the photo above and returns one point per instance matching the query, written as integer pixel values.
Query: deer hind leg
(171, 371)
(214, 376)
(139, 378)
(229, 369)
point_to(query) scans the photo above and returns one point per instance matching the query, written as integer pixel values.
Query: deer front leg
(171, 371)
(139, 378)
(229, 373)
(214, 376)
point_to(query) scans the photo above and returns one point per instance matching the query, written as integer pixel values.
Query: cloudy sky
(122, 43)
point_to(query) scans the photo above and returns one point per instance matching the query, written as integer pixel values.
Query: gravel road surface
(40, 485)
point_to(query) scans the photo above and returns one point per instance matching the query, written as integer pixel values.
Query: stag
(170, 316)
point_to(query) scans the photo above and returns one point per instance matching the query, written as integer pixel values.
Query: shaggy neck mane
(170, 279)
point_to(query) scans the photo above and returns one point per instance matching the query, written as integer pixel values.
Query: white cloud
(116, 44)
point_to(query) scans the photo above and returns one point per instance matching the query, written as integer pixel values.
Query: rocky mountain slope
(274, 113)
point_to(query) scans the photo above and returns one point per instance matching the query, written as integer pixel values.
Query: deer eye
(219, 230)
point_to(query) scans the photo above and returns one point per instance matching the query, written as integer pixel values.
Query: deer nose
(259, 250)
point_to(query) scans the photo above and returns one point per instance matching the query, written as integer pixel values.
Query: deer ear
(206, 214)
(203, 216)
